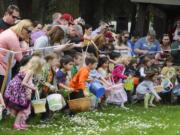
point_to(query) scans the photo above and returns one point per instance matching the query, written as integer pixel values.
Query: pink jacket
(118, 73)
(9, 41)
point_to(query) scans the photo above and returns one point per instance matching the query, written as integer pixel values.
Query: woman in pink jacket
(10, 40)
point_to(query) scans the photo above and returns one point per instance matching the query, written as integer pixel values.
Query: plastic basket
(39, 105)
(56, 102)
(97, 89)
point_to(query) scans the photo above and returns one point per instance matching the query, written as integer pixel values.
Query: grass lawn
(112, 120)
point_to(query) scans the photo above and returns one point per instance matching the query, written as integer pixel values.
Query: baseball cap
(68, 17)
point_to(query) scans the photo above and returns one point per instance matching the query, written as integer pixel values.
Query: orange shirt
(78, 82)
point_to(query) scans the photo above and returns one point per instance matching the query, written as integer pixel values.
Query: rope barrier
(53, 47)
(34, 49)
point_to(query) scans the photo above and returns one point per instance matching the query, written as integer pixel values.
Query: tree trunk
(142, 20)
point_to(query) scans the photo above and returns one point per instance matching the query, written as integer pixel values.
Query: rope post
(10, 60)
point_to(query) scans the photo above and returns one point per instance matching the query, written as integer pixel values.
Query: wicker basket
(80, 104)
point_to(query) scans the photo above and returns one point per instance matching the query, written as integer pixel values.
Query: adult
(79, 24)
(131, 43)
(125, 37)
(148, 44)
(52, 38)
(56, 18)
(122, 45)
(103, 27)
(73, 35)
(9, 40)
(37, 32)
(177, 29)
(10, 17)
(175, 50)
(165, 48)
(109, 42)
(66, 19)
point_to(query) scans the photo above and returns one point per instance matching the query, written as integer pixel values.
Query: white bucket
(39, 105)
(56, 102)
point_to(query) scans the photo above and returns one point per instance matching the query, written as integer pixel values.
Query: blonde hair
(125, 59)
(35, 65)
(25, 23)
(100, 41)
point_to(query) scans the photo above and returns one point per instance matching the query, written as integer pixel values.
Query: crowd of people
(68, 55)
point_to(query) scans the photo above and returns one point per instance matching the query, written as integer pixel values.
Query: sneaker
(24, 125)
(124, 108)
(44, 121)
(100, 106)
(18, 127)
(152, 105)
(146, 106)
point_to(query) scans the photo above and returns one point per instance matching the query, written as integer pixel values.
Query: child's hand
(52, 88)
(85, 93)
(35, 89)
(78, 45)
(158, 99)
(70, 89)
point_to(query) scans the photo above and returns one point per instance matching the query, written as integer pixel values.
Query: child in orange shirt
(78, 82)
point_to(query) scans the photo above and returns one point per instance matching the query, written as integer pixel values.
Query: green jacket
(74, 70)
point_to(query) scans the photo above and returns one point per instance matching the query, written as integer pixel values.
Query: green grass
(112, 120)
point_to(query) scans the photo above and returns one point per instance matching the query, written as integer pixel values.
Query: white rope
(53, 47)
(31, 49)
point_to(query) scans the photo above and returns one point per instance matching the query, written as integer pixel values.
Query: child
(62, 77)
(146, 90)
(103, 66)
(130, 84)
(18, 92)
(77, 57)
(78, 82)
(114, 58)
(100, 76)
(148, 64)
(168, 71)
(45, 84)
(117, 94)
(47, 75)
(132, 68)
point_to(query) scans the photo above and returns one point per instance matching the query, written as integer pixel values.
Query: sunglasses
(166, 39)
(28, 31)
(16, 17)
(165, 34)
